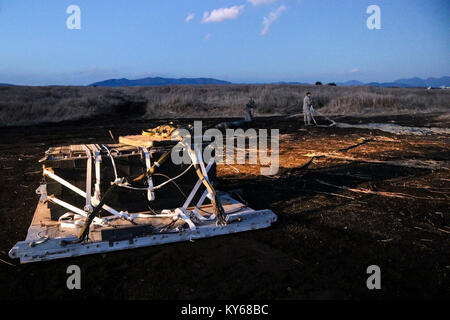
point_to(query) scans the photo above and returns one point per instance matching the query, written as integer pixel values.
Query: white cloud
(260, 2)
(189, 17)
(219, 15)
(354, 70)
(207, 37)
(273, 16)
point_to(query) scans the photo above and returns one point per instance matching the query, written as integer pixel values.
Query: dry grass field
(33, 105)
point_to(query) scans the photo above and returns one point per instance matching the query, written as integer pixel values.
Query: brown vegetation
(32, 105)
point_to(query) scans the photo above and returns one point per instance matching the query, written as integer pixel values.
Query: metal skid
(48, 239)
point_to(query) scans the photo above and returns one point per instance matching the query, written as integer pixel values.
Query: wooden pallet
(44, 238)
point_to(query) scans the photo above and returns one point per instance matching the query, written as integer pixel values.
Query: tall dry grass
(33, 105)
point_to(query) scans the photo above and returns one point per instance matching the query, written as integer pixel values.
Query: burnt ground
(320, 248)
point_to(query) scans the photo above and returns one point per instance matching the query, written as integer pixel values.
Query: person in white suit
(307, 104)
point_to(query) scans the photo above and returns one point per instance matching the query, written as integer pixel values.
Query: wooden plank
(145, 141)
(137, 141)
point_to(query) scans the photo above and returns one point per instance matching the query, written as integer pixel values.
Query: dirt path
(325, 238)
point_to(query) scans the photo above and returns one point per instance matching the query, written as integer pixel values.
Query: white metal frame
(148, 164)
(98, 160)
(50, 248)
(182, 212)
(38, 248)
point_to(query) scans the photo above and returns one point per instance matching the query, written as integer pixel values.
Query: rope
(85, 229)
(322, 115)
(112, 161)
(162, 131)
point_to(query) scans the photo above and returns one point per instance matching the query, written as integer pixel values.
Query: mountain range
(404, 83)
(157, 81)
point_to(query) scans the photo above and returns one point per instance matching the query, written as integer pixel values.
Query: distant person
(249, 110)
(307, 105)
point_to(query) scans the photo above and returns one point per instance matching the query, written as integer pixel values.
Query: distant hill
(352, 83)
(290, 83)
(157, 81)
(430, 82)
(404, 83)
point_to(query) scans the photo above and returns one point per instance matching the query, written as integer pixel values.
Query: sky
(243, 41)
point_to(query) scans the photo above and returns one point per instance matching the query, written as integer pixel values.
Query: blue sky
(307, 40)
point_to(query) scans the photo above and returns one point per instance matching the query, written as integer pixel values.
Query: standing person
(249, 110)
(307, 104)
